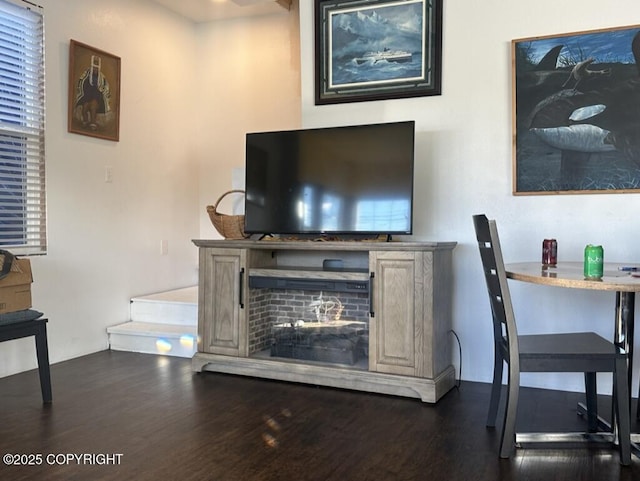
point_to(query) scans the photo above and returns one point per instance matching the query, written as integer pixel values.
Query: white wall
(463, 167)
(104, 238)
(249, 73)
(189, 94)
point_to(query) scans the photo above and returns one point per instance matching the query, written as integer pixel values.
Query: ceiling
(209, 10)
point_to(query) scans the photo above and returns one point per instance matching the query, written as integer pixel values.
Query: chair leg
(623, 410)
(508, 441)
(42, 352)
(591, 392)
(496, 390)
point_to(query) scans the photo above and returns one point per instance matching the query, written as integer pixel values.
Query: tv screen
(340, 180)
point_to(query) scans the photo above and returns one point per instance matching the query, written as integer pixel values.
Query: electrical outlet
(108, 174)
(164, 247)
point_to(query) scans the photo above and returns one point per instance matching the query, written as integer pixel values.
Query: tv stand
(401, 344)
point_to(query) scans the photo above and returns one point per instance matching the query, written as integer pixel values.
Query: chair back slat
(504, 326)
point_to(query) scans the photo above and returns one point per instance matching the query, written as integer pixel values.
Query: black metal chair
(584, 352)
(16, 325)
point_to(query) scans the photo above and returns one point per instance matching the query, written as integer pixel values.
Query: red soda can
(549, 252)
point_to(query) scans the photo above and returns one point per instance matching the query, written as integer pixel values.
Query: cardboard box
(15, 288)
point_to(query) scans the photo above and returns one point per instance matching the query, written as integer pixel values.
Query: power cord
(460, 356)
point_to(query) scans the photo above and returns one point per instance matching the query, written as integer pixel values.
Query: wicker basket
(229, 226)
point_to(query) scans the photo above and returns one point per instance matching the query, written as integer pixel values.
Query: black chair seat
(29, 323)
(575, 345)
(574, 352)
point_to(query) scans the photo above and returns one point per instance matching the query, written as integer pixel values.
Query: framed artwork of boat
(377, 49)
(94, 92)
(576, 112)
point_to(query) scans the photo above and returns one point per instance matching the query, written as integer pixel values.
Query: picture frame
(370, 50)
(94, 92)
(576, 119)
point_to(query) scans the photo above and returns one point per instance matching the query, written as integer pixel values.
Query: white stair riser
(162, 323)
(186, 346)
(164, 313)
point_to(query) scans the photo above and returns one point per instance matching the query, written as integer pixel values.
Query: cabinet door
(221, 309)
(394, 337)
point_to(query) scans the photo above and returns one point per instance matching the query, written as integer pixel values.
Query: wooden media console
(370, 316)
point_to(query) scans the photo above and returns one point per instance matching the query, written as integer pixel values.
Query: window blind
(22, 162)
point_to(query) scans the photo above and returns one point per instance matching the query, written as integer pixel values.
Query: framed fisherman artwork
(576, 112)
(94, 92)
(377, 49)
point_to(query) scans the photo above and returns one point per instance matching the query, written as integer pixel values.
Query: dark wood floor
(166, 423)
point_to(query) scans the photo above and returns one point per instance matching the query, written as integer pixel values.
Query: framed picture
(576, 112)
(94, 92)
(377, 49)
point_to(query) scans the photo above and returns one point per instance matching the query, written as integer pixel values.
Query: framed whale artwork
(576, 112)
(377, 49)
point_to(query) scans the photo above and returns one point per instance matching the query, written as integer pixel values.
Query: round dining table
(623, 279)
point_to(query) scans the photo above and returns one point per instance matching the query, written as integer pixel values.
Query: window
(22, 179)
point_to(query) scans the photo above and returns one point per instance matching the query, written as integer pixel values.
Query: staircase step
(179, 306)
(154, 338)
(161, 323)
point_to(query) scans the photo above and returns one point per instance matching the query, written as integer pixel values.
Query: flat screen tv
(353, 180)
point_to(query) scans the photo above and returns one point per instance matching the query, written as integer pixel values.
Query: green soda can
(593, 262)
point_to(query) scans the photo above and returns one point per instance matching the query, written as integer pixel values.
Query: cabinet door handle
(242, 288)
(371, 309)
